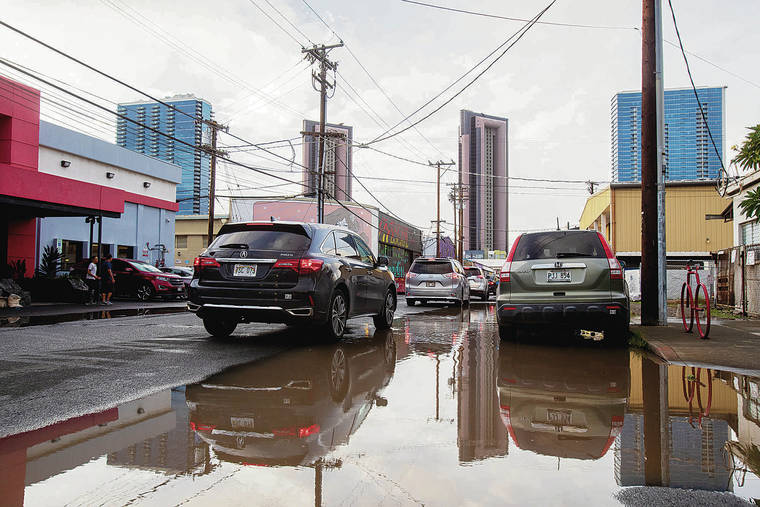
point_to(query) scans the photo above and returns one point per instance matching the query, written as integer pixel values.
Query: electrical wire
(694, 88)
(509, 18)
(519, 34)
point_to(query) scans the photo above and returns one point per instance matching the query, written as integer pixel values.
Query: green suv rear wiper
(561, 255)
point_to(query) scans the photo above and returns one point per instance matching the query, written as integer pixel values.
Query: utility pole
(319, 54)
(438, 203)
(453, 200)
(662, 317)
(458, 197)
(649, 155)
(211, 150)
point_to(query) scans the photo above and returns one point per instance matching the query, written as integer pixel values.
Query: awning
(18, 207)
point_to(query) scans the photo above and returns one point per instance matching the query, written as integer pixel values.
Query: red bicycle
(697, 303)
(692, 384)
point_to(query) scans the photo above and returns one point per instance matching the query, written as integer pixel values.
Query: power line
(366, 71)
(509, 18)
(517, 36)
(694, 88)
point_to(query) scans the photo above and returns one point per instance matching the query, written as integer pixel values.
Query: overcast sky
(554, 86)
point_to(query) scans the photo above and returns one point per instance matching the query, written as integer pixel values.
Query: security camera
(65, 163)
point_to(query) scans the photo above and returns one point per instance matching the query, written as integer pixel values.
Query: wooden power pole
(438, 203)
(649, 222)
(213, 151)
(319, 54)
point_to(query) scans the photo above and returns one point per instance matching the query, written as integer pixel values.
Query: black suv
(292, 273)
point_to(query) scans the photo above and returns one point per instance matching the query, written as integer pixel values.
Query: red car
(141, 280)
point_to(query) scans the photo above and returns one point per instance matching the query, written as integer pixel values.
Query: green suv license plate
(558, 276)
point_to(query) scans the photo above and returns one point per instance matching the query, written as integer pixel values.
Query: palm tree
(748, 158)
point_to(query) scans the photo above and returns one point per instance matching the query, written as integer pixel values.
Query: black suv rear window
(285, 238)
(559, 245)
(471, 271)
(431, 267)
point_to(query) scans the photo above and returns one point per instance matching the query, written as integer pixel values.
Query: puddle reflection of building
(177, 451)
(665, 443)
(31, 457)
(480, 432)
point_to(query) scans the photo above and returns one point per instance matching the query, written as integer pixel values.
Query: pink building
(338, 159)
(483, 170)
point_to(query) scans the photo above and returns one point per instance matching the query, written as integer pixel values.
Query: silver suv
(566, 278)
(436, 279)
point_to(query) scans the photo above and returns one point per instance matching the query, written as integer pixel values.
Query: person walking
(107, 281)
(92, 281)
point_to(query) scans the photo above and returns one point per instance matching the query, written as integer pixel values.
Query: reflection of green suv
(566, 278)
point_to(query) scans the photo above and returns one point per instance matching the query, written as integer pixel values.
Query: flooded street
(437, 411)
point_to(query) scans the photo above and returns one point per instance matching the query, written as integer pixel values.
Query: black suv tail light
(199, 263)
(302, 267)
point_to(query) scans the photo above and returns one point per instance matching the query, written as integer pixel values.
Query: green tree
(748, 158)
(51, 261)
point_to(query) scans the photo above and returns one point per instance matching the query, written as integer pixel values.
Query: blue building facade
(145, 186)
(689, 152)
(192, 192)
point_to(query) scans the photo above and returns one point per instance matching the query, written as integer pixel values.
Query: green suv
(564, 278)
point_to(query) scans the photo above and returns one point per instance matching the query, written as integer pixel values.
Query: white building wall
(92, 171)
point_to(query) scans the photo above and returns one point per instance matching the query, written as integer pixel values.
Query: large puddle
(437, 412)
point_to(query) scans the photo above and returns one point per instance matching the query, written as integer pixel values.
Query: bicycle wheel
(686, 303)
(701, 310)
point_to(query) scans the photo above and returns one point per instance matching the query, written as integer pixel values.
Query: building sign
(400, 242)
(497, 254)
(396, 233)
(474, 254)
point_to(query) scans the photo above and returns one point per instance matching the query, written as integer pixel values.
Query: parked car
(293, 408)
(185, 273)
(144, 281)
(436, 279)
(561, 401)
(293, 273)
(565, 278)
(477, 281)
(493, 282)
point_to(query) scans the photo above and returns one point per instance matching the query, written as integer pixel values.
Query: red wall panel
(22, 238)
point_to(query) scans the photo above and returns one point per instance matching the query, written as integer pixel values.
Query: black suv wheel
(384, 320)
(219, 328)
(337, 314)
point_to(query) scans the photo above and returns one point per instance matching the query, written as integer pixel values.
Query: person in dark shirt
(107, 281)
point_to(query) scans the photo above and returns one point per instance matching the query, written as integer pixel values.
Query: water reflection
(437, 411)
(150, 434)
(561, 401)
(296, 407)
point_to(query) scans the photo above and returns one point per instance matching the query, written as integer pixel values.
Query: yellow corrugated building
(191, 235)
(616, 212)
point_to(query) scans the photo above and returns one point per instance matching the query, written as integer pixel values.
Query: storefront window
(125, 252)
(72, 253)
(94, 249)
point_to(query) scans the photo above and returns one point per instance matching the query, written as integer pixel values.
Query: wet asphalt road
(49, 373)
(436, 411)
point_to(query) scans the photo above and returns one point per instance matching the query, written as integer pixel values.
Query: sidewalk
(733, 345)
(70, 311)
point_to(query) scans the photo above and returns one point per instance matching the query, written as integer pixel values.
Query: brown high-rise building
(338, 159)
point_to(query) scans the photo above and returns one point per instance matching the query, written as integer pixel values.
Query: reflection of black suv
(295, 407)
(292, 273)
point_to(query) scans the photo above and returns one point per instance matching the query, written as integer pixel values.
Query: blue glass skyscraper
(192, 193)
(689, 152)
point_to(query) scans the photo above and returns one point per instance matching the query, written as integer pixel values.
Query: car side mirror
(382, 260)
(128, 270)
